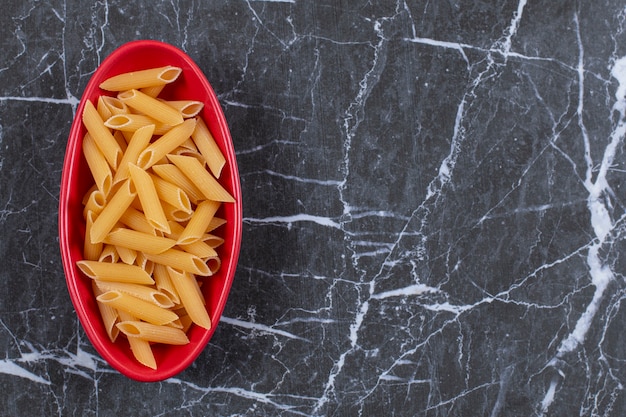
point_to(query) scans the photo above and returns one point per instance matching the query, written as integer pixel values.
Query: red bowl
(76, 179)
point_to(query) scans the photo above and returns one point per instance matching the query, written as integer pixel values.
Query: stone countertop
(433, 207)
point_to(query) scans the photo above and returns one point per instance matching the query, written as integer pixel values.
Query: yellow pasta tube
(151, 107)
(135, 220)
(119, 272)
(102, 135)
(127, 255)
(153, 91)
(187, 108)
(163, 283)
(98, 165)
(171, 194)
(166, 143)
(199, 222)
(109, 254)
(179, 259)
(103, 110)
(175, 213)
(112, 212)
(142, 78)
(208, 148)
(108, 314)
(141, 309)
(151, 333)
(201, 178)
(171, 173)
(142, 351)
(138, 142)
(91, 251)
(149, 198)
(114, 106)
(95, 202)
(190, 297)
(130, 122)
(143, 292)
(139, 241)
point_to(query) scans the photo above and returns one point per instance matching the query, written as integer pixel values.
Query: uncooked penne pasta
(172, 194)
(150, 106)
(149, 198)
(201, 178)
(118, 272)
(187, 108)
(98, 165)
(127, 255)
(109, 315)
(153, 91)
(179, 259)
(171, 173)
(138, 142)
(91, 251)
(112, 212)
(199, 222)
(135, 220)
(130, 122)
(141, 309)
(151, 333)
(102, 135)
(114, 106)
(108, 255)
(208, 148)
(143, 292)
(141, 348)
(139, 241)
(142, 78)
(166, 143)
(94, 203)
(190, 296)
(163, 283)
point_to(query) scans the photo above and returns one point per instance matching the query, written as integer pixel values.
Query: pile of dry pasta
(152, 210)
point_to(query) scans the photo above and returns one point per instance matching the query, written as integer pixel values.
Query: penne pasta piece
(215, 223)
(139, 241)
(199, 222)
(112, 212)
(130, 122)
(148, 197)
(171, 173)
(164, 284)
(114, 106)
(208, 148)
(109, 315)
(174, 213)
(119, 272)
(201, 178)
(91, 251)
(142, 351)
(213, 240)
(95, 203)
(143, 292)
(135, 220)
(190, 297)
(151, 333)
(141, 309)
(166, 143)
(139, 140)
(102, 135)
(153, 91)
(172, 194)
(151, 107)
(142, 78)
(200, 249)
(121, 140)
(98, 165)
(187, 108)
(179, 259)
(109, 254)
(102, 109)
(127, 255)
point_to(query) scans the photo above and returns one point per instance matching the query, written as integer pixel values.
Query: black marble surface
(434, 210)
